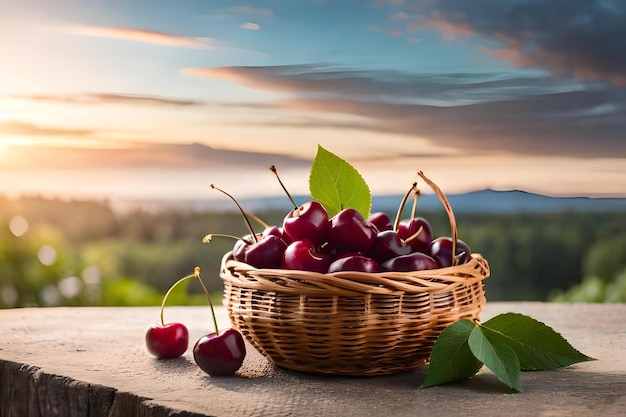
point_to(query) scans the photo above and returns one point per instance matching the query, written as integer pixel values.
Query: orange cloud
(141, 35)
(106, 98)
(251, 77)
(168, 156)
(449, 30)
(17, 128)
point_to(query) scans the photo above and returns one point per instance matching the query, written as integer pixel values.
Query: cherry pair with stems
(218, 353)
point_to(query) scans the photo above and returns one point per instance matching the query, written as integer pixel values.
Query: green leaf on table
(451, 359)
(492, 349)
(337, 185)
(537, 346)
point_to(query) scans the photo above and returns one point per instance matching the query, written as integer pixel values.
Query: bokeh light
(92, 275)
(47, 255)
(18, 225)
(70, 287)
(49, 295)
(9, 295)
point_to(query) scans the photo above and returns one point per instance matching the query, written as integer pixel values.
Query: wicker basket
(350, 323)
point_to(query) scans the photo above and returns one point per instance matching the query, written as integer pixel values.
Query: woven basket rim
(354, 282)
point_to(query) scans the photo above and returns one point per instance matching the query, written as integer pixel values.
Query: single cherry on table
(167, 341)
(220, 353)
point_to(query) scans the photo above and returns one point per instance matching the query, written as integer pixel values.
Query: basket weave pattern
(350, 323)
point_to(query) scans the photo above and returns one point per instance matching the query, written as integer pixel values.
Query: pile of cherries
(311, 241)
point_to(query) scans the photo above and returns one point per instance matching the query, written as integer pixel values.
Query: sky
(154, 99)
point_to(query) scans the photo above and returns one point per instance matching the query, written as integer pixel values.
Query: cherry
(308, 221)
(353, 263)
(349, 231)
(381, 220)
(387, 245)
(303, 255)
(266, 252)
(415, 261)
(220, 353)
(416, 232)
(274, 231)
(166, 341)
(239, 249)
(441, 250)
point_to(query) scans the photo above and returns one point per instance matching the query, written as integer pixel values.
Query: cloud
(320, 80)
(251, 26)
(450, 31)
(485, 112)
(146, 155)
(18, 128)
(140, 35)
(253, 11)
(581, 38)
(108, 98)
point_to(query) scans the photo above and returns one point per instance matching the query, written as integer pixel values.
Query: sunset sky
(154, 99)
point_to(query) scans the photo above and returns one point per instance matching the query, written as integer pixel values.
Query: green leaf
(338, 185)
(537, 346)
(492, 349)
(451, 359)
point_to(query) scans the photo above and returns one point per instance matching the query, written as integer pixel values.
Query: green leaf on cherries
(337, 185)
(507, 344)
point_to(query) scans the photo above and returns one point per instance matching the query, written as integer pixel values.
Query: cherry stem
(242, 212)
(414, 235)
(196, 274)
(415, 197)
(169, 291)
(448, 208)
(297, 208)
(258, 219)
(208, 238)
(396, 223)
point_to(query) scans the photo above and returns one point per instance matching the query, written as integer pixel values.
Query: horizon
(508, 201)
(155, 100)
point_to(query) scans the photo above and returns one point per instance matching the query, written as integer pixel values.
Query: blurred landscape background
(57, 252)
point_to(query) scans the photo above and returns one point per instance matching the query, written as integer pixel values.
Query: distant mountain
(514, 201)
(484, 201)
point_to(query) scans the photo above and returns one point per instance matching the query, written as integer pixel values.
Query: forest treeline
(60, 252)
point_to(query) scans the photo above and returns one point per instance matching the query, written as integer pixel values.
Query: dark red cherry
(388, 245)
(308, 221)
(349, 232)
(266, 253)
(415, 261)
(304, 256)
(220, 354)
(440, 249)
(273, 230)
(353, 263)
(408, 231)
(381, 220)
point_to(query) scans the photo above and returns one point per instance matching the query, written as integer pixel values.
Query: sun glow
(6, 143)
